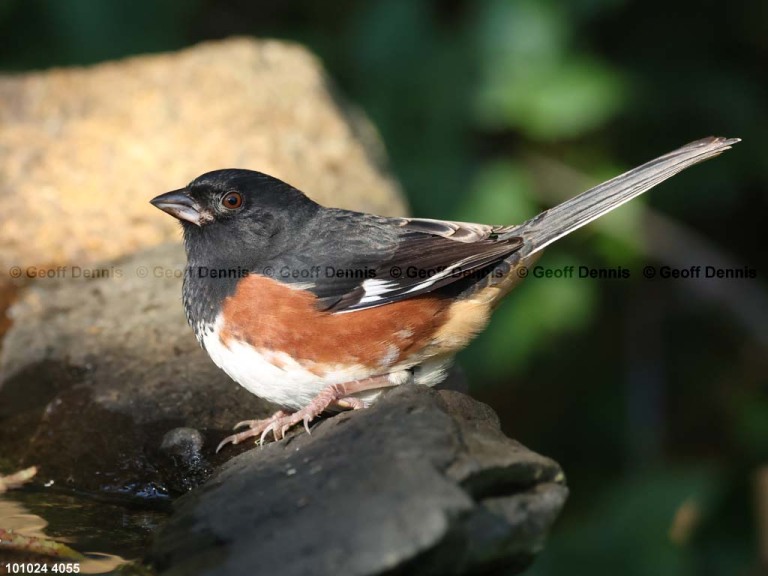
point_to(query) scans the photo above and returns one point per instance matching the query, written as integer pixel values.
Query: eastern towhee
(317, 308)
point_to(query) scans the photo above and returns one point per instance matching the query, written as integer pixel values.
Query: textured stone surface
(423, 482)
(93, 145)
(95, 373)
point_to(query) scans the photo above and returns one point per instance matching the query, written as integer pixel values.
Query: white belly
(278, 378)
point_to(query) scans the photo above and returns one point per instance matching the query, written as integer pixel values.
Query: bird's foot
(335, 394)
(339, 395)
(255, 428)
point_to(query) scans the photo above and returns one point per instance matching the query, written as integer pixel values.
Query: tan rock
(83, 150)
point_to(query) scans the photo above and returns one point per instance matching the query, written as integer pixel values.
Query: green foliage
(40, 33)
(501, 193)
(534, 79)
(629, 530)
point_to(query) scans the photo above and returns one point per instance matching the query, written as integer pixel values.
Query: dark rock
(96, 372)
(423, 482)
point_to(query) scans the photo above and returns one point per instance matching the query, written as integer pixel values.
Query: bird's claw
(280, 422)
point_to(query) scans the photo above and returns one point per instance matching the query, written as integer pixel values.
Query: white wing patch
(375, 290)
(439, 276)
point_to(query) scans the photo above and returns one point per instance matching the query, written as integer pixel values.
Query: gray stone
(96, 372)
(423, 482)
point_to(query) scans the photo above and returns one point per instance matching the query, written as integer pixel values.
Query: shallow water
(112, 536)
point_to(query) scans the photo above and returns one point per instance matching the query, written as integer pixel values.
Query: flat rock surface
(423, 482)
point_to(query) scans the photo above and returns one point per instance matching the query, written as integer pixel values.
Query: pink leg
(336, 394)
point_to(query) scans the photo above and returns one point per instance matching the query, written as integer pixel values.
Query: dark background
(651, 394)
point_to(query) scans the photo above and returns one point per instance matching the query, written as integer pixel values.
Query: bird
(321, 309)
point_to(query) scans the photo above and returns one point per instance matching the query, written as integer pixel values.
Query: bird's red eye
(232, 200)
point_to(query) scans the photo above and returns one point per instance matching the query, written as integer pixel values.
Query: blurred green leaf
(627, 529)
(87, 31)
(500, 194)
(619, 235)
(534, 80)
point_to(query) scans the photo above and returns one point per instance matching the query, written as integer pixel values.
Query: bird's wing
(413, 257)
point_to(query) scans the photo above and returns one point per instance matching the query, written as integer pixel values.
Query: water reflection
(103, 536)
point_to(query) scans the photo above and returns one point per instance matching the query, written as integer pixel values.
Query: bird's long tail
(542, 230)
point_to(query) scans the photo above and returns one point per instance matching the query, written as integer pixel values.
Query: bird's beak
(179, 205)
